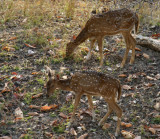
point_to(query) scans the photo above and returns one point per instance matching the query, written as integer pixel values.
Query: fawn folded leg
(91, 107)
(90, 49)
(100, 46)
(133, 43)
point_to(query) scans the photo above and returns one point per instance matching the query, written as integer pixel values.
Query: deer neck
(64, 84)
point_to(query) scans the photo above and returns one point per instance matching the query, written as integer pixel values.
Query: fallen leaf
(138, 137)
(122, 75)
(34, 107)
(146, 56)
(37, 95)
(33, 113)
(156, 36)
(150, 78)
(106, 125)
(5, 88)
(127, 87)
(126, 124)
(73, 132)
(149, 84)
(18, 114)
(127, 135)
(48, 134)
(35, 73)
(157, 106)
(9, 49)
(152, 130)
(83, 136)
(63, 115)
(128, 94)
(2, 123)
(83, 111)
(157, 76)
(14, 73)
(54, 123)
(137, 49)
(28, 45)
(12, 38)
(47, 108)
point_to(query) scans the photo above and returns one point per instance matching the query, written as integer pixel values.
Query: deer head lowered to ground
(90, 83)
(110, 23)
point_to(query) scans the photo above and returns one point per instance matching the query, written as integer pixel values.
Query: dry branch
(148, 42)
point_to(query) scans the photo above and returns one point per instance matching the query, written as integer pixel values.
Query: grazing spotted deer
(89, 83)
(110, 23)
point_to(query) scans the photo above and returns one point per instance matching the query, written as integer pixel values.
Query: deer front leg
(100, 46)
(90, 49)
(77, 99)
(91, 107)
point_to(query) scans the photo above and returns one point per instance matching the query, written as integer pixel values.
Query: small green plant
(40, 81)
(97, 111)
(27, 136)
(28, 98)
(142, 130)
(5, 68)
(60, 128)
(52, 114)
(156, 120)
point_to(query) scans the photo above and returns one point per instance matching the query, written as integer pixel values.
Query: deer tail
(136, 23)
(119, 91)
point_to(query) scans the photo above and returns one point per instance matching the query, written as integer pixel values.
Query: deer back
(94, 83)
(111, 22)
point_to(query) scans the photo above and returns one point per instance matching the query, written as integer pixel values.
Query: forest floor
(26, 112)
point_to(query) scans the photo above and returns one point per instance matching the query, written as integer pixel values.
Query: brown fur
(110, 23)
(90, 83)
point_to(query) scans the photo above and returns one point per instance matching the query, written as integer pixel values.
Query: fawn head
(52, 82)
(70, 48)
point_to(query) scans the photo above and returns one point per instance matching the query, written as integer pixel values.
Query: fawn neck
(64, 84)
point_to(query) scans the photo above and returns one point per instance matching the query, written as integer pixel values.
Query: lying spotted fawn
(89, 83)
(110, 23)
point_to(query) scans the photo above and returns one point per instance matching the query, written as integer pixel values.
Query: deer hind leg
(90, 49)
(133, 43)
(118, 112)
(100, 46)
(126, 37)
(91, 107)
(106, 116)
